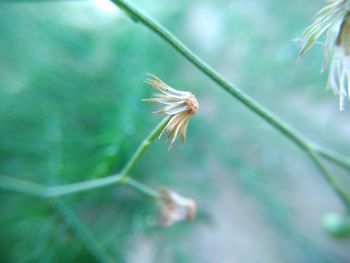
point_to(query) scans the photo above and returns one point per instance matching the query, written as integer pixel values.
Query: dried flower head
(327, 19)
(175, 207)
(339, 75)
(179, 105)
(334, 20)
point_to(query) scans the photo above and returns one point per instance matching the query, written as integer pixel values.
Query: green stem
(24, 187)
(342, 194)
(82, 186)
(141, 188)
(21, 186)
(142, 148)
(334, 157)
(250, 103)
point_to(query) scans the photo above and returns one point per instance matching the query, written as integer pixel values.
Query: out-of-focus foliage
(71, 83)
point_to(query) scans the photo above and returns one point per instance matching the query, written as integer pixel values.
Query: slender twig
(142, 148)
(141, 188)
(334, 157)
(37, 190)
(21, 186)
(82, 186)
(25, 187)
(234, 91)
(331, 180)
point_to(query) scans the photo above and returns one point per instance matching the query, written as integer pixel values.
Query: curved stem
(234, 91)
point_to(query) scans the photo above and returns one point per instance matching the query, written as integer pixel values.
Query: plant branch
(234, 91)
(21, 186)
(142, 148)
(342, 194)
(141, 188)
(82, 186)
(334, 157)
(25, 187)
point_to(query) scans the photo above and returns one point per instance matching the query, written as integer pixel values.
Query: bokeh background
(71, 82)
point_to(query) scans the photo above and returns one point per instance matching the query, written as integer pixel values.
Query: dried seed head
(179, 105)
(334, 20)
(339, 75)
(343, 38)
(326, 20)
(175, 207)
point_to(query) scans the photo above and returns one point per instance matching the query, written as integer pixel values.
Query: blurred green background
(71, 82)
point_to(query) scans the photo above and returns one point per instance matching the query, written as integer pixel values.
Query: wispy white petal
(326, 19)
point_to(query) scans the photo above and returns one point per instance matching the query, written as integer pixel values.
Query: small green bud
(336, 225)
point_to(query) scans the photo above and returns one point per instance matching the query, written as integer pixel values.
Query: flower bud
(336, 225)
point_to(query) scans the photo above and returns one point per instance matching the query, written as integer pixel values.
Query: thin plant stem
(154, 134)
(82, 186)
(37, 190)
(342, 194)
(21, 186)
(78, 228)
(257, 108)
(141, 187)
(334, 157)
(25, 187)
